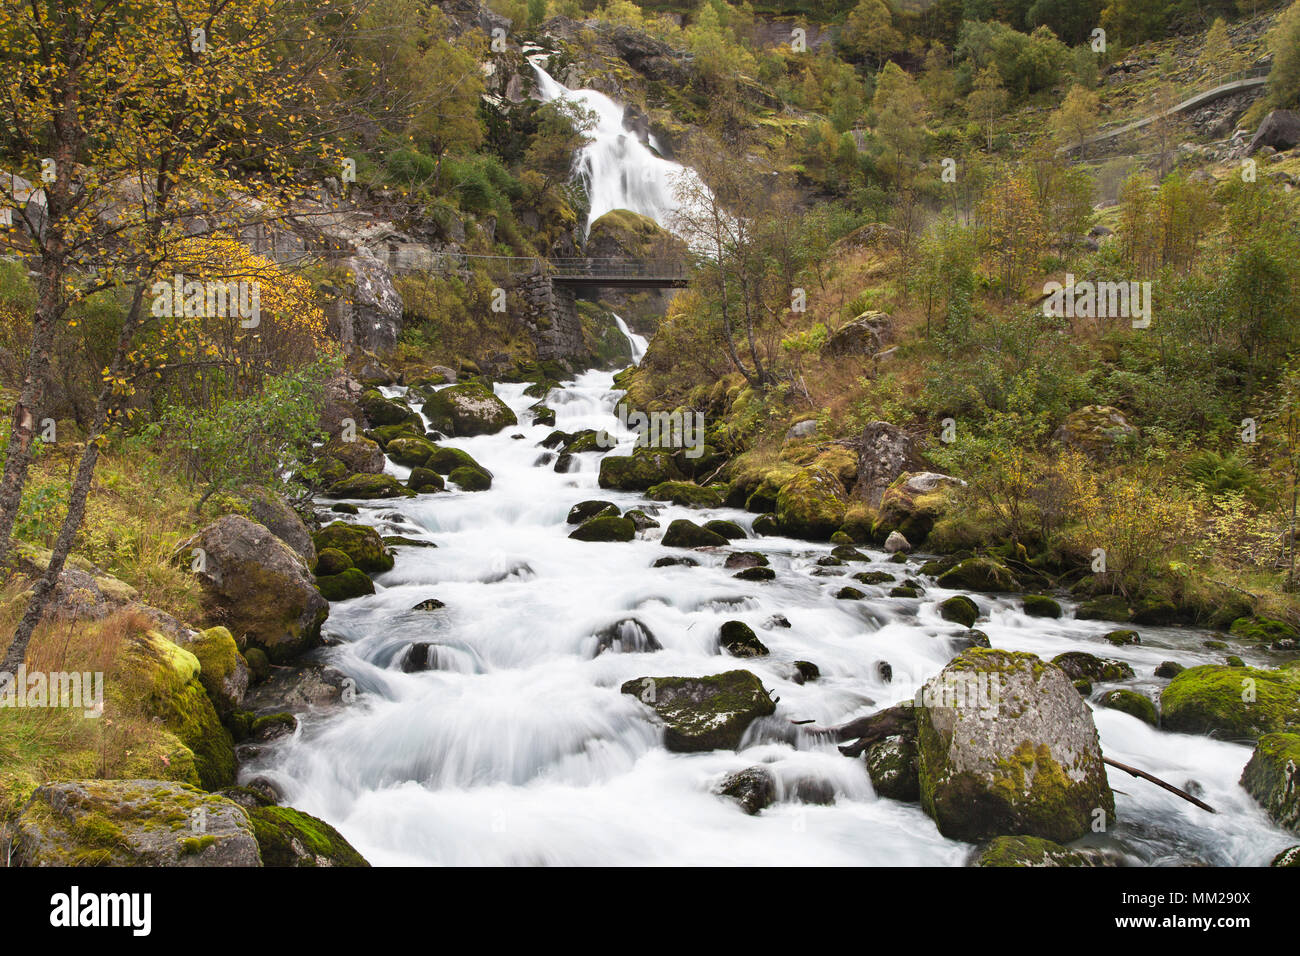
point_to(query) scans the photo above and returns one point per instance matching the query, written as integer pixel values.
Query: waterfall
(637, 343)
(619, 171)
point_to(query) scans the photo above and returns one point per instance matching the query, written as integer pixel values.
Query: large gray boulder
(1007, 746)
(885, 453)
(1272, 777)
(369, 315)
(132, 823)
(268, 508)
(257, 586)
(1280, 129)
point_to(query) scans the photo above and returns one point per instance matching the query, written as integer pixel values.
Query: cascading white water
(637, 343)
(620, 172)
(520, 748)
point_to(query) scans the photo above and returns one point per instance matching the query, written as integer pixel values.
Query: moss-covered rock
(959, 609)
(1006, 745)
(1272, 777)
(1039, 605)
(639, 471)
(852, 594)
(332, 561)
(911, 506)
(642, 520)
(811, 505)
(1028, 851)
(979, 574)
(766, 525)
(1233, 702)
(1095, 430)
(162, 679)
(685, 493)
(362, 545)
(470, 479)
(893, 767)
(425, 481)
(256, 585)
(411, 452)
(905, 591)
(1264, 629)
(874, 577)
(223, 672)
(584, 510)
(1122, 637)
(1080, 665)
(1106, 607)
(445, 460)
(1132, 703)
(131, 823)
(386, 411)
(289, 837)
(360, 456)
(345, 585)
(605, 528)
(728, 529)
(387, 433)
(739, 640)
(470, 408)
(754, 788)
(687, 534)
(1288, 857)
(1168, 669)
(369, 487)
(703, 713)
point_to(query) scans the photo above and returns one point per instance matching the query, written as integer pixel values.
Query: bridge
(1224, 86)
(581, 272)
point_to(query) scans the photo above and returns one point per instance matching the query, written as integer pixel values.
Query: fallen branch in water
(1135, 772)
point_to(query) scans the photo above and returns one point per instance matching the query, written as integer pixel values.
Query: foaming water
(620, 172)
(518, 747)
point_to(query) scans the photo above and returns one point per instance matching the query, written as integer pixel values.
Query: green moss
(728, 529)
(1122, 637)
(1132, 703)
(470, 479)
(360, 543)
(686, 534)
(1272, 777)
(685, 493)
(469, 408)
(979, 574)
(352, 583)
(445, 460)
(1038, 605)
(811, 505)
(640, 471)
(960, 609)
(1263, 629)
(1027, 851)
(704, 713)
(332, 561)
(288, 837)
(605, 528)
(369, 487)
(1234, 702)
(739, 640)
(410, 452)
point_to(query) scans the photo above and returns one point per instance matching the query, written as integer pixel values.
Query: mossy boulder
(387, 433)
(687, 534)
(1122, 638)
(728, 529)
(362, 545)
(1272, 777)
(685, 493)
(639, 471)
(911, 506)
(470, 408)
(1006, 745)
(766, 525)
(959, 609)
(1132, 703)
(444, 460)
(755, 574)
(470, 479)
(369, 487)
(811, 505)
(411, 452)
(754, 788)
(703, 713)
(132, 823)
(584, 510)
(287, 837)
(1289, 857)
(894, 769)
(1233, 702)
(605, 528)
(1105, 607)
(360, 456)
(345, 585)
(162, 679)
(1039, 605)
(425, 481)
(1095, 430)
(1028, 851)
(739, 640)
(269, 509)
(1080, 665)
(257, 586)
(642, 520)
(1265, 630)
(223, 673)
(386, 411)
(853, 594)
(877, 577)
(979, 574)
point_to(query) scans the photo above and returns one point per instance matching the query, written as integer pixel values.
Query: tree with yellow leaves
(138, 122)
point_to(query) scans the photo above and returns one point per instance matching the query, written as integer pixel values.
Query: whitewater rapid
(617, 169)
(520, 749)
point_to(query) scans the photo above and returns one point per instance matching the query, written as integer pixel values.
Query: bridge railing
(570, 267)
